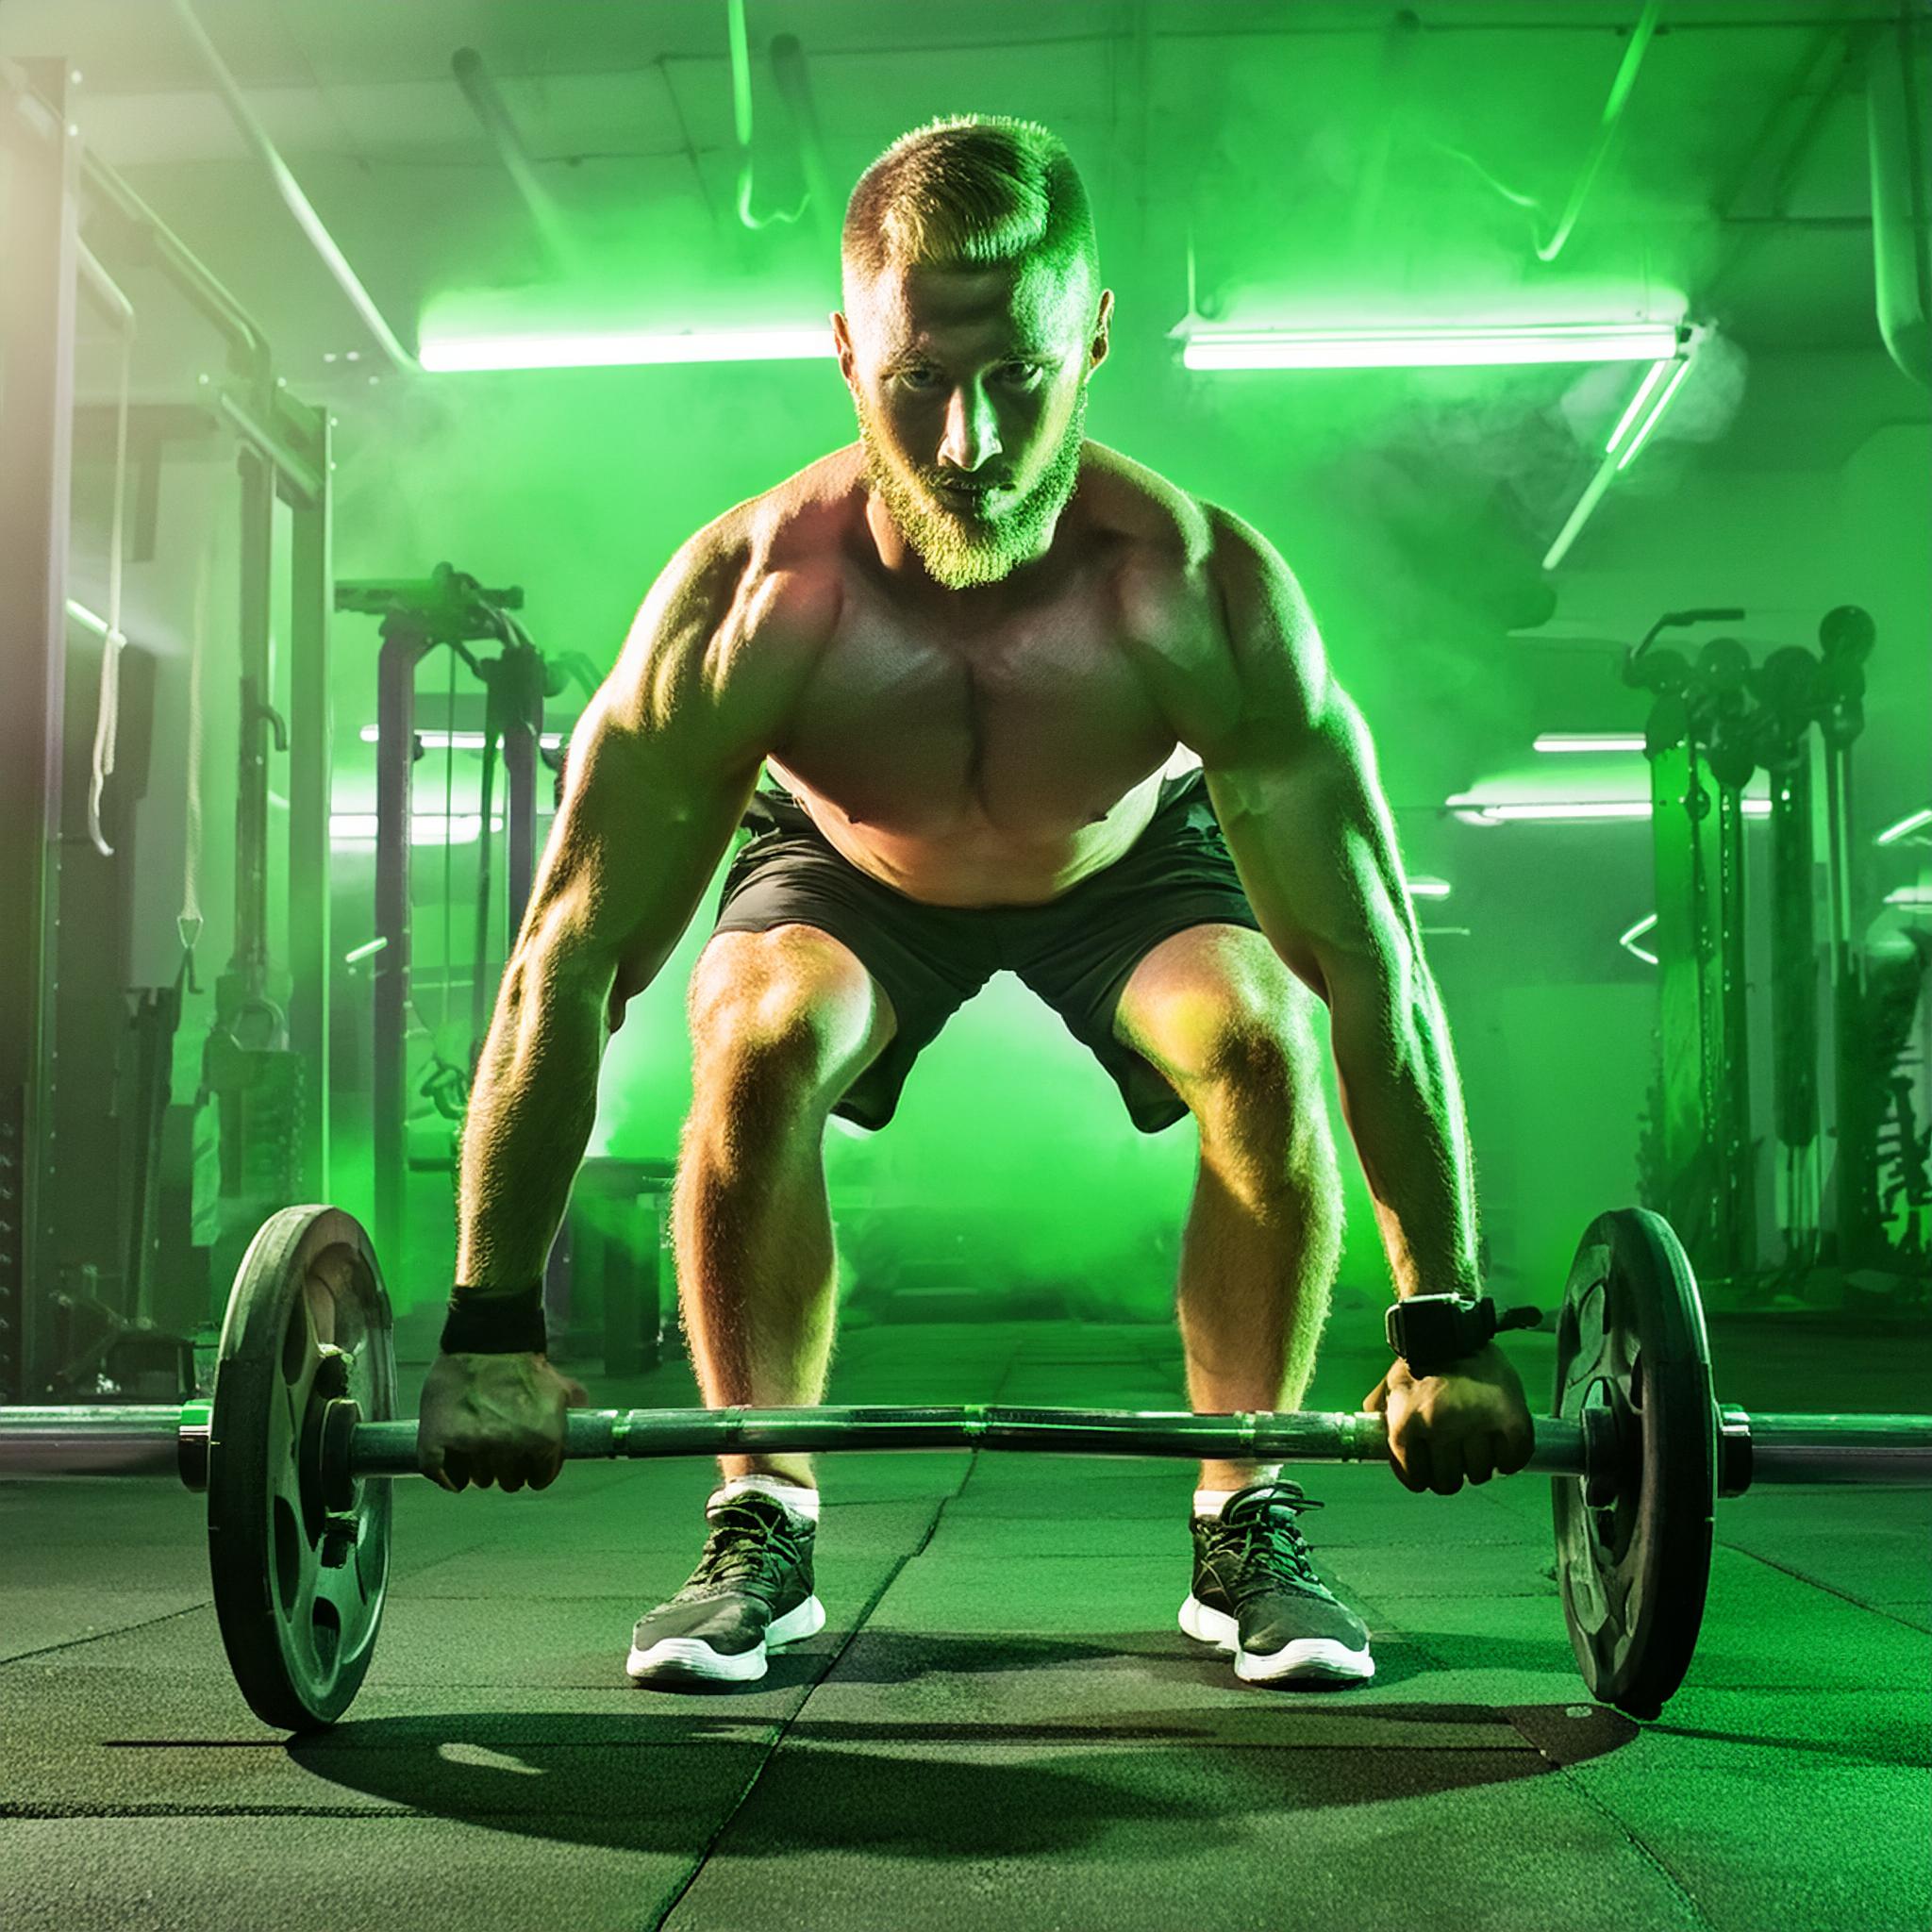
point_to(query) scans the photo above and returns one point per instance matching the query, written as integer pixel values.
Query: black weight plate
(308, 1320)
(1634, 1572)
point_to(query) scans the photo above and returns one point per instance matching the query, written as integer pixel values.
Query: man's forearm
(1402, 1103)
(528, 1121)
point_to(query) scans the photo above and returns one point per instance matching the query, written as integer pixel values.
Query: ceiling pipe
(794, 89)
(290, 190)
(1895, 82)
(490, 108)
(1606, 132)
(742, 121)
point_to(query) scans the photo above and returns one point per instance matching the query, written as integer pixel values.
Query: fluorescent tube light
(1556, 812)
(623, 348)
(453, 741)
(1628, 941)
(1448, 346)
(1587, 741)
(425, 827)
(1892, 833)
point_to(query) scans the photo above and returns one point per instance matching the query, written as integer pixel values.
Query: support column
(39, 171)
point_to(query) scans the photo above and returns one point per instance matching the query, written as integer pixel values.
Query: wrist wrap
(483, 1322)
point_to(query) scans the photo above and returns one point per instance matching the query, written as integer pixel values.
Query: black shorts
(1075, 952)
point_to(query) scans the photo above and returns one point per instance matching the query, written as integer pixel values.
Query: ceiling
(1286, 143)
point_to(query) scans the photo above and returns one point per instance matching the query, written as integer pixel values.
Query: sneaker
(751, 1592)
(1256, 1593)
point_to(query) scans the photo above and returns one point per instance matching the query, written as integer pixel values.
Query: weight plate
(298, 1588)
(1635, 1565)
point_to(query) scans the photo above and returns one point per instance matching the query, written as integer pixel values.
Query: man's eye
(1023, 374)
(919, 379)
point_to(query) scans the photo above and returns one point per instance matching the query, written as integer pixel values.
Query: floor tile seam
(103, 1636)
(1829, 1588)
(789, 1718)
(1593, 1800)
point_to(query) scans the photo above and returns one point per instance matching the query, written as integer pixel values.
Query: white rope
(188, 921)
(108, 706)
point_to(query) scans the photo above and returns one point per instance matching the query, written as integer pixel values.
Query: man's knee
(781, 1021)
(1259, 1091)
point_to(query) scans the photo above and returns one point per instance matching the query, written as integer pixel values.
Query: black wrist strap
(481, 1321)
(1433, 1333)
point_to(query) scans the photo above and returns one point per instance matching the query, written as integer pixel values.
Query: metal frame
(45, 1212)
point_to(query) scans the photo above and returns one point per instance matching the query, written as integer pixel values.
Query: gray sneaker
(751, 1592)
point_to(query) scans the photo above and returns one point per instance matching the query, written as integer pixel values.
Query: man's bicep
(1293, 780)
(1314, 842)
(658, 771)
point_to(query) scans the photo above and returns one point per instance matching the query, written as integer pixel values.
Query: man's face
(971, 388)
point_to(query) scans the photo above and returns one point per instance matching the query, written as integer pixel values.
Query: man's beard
(964, 547)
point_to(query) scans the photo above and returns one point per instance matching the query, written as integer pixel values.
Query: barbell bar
(1758, 1447)
(296, 1447)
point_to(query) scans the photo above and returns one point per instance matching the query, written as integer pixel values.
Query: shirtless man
(968, 647)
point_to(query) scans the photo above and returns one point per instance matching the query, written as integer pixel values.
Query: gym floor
(1000, 1725)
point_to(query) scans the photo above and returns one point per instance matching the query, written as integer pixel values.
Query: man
(968, 647)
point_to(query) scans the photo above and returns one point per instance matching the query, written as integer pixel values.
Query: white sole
(692, 1658)
(1318, 1660)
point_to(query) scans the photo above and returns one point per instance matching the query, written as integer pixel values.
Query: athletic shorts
(1075, 952)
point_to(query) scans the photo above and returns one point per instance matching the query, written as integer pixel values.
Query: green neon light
(425, 827)
(1636, 403)
(453, 741)
(622, 348)
(1584, 740)
(1476, 809)
(81, 615)
(1904, 825)
(1628, 941)
(1656, 415)
(1447, 346)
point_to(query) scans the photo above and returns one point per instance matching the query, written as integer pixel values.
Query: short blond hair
(968, 189)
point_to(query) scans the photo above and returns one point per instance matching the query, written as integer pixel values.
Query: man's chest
(1028, 727)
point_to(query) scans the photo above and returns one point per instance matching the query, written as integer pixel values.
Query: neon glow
(1628, 941)
(425, 827)
(452, 740)
(1556, 812)
(1894, 833)
(1583, 741)
(1636, 403)
(622, 348)
(1443, 347)
(1656, 415)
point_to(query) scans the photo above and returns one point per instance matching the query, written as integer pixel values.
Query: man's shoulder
(788, 525)
(1152, 519)
(770, 561)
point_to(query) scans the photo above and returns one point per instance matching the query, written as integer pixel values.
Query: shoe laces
(741, 1539)
(1265, 1545)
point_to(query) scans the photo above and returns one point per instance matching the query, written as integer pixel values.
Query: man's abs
(976, 863)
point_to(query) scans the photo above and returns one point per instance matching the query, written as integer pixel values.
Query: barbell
(297, 1443)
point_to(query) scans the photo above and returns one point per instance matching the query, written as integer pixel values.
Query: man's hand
(1471, 1422)
(495, 1418)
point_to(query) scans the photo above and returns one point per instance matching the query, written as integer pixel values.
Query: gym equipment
(294, 1447)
